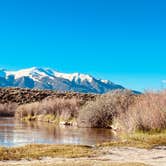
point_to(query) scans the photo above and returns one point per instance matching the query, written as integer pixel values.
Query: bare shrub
(27, 110)
(147, 114)
(61, 108)
(100, 113)
(8, 109)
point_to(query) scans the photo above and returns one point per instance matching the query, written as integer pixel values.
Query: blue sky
(124, 41)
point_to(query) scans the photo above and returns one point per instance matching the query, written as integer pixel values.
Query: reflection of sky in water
(14, 133)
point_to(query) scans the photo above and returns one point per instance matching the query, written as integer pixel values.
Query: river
(17, 133)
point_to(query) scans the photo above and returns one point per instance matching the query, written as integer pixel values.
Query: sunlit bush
(147, 114)
(101, 113)
(58, 108)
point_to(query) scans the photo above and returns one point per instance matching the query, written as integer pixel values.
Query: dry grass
(145, 140)
(8, 109)
(49, 110)
(100, 113)
(147, 114)
(39, 151)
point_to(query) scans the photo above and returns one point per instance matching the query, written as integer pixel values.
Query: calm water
(16, 133)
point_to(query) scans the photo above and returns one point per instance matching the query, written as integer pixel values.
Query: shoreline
(113, 156)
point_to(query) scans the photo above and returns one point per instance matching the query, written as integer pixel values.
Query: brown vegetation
(58, 155)
(147, 140)
(8, 110)
(39, 151)
(101, 113)
(120, 108)
(147, 114)
(51, 110)
(125, 111)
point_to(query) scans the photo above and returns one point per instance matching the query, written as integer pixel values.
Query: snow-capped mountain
(45, 78)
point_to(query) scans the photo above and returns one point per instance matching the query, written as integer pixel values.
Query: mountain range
(46, 78)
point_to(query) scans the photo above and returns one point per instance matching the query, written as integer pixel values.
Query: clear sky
(120, 40)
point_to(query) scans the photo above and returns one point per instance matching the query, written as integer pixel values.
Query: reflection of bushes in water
(101, 112)
(47, 128)
(51, 110)
(60, 132)
(8, 109)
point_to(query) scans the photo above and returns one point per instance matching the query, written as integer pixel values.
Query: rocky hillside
(23, 96)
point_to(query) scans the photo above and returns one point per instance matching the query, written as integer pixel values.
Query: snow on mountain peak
(74, 76)
(34, 73)
(106, 81)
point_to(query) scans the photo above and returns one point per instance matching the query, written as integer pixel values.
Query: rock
(65, 123)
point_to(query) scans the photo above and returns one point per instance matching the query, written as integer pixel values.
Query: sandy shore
(152, 157)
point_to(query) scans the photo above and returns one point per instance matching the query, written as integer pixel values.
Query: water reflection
(15, 133)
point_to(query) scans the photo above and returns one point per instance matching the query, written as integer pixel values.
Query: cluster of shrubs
(101, 113)
(8, 109)
(119, 109)
(125, 111)
(50, 110)
(147, 114)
